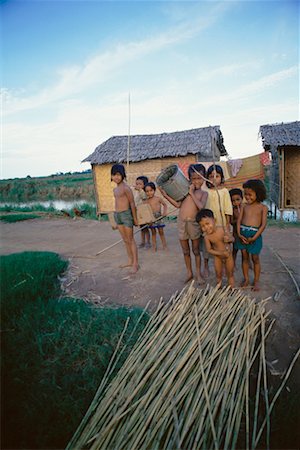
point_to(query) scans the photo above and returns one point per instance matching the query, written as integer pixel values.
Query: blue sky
(68, 68)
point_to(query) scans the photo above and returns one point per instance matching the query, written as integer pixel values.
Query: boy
(251, 223)
(125, 214)
(188, 228)
(214, 239)
(156, 204)
(236, 196)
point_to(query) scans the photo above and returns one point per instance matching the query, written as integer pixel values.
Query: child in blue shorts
(251, 223)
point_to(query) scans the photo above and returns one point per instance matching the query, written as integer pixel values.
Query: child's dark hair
(194, 168)
(219, 170)
(236, 191)
(118, 168)
(258, 187)
(204, 213)
(144, 179)
(151, 184)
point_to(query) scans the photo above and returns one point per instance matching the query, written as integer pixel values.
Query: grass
(282, 223)
(88, 209)
(18, 217)
(54, 351)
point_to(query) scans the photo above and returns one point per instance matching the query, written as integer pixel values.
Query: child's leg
(218, 268)
(147, 237)
(121, 229)
(132, 248)
(162, 237)
(187, 258)
(229, 265)
(197, 254)
(154, 246)
(234, 253)
(142, 244)
(256, 269)
(245, 267)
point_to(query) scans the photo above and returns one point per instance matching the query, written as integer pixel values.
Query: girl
(156, 204)
(218, 200)
(125, 214)
(140, 196)
(251, 223)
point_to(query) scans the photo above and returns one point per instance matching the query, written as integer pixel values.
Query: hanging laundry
(235, 165)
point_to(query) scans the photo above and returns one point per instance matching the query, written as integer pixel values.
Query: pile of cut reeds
(187, 382)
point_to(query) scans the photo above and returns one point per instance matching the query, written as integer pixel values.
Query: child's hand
(191, 189)
(250, 240)
(136, 223)
(226, 254)
(244, 240)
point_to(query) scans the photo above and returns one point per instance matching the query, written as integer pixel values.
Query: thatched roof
(280, 134)
(150, 146)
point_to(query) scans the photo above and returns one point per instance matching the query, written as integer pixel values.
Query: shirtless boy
(251, 223)
(188, 228)
(125, 214)
(214, 239)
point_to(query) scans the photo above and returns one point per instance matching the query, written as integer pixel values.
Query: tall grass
(54, 351)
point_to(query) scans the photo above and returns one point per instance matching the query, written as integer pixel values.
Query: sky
(75, 73)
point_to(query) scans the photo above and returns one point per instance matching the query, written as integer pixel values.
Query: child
(188, 228)
(156, 204)
(140, 196)
(251, 223)
(125, 214)
(236, 196)
(218, 200)
(217, 245)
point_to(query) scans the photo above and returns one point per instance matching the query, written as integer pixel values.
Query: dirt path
(99, 278)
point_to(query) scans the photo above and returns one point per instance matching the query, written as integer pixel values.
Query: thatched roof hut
(149, 154)
(283, 141)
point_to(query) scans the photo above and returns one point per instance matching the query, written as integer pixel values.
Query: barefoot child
(251, 223)
(156, 204)
(218, 200)
(188, 228)
(125, 214)
(236, 196)
(214, 238)
(140, 196)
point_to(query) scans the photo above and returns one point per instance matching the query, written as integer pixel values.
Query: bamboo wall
(290, 170)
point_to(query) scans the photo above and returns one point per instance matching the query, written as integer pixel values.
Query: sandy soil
(99, 278)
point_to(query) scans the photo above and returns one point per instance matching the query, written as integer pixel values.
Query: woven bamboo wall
(150, 168)
(291, 183)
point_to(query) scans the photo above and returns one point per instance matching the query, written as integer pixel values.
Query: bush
(54, 351)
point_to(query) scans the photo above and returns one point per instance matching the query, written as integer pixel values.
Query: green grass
(54, 351)
(11, 218)
(282, 223)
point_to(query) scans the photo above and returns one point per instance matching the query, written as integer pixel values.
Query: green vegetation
(11, 218)
(282, 223)
(64, 187)
(54, 351)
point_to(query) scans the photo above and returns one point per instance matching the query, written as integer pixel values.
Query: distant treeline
(78, 186)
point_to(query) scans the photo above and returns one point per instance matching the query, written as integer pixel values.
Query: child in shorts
(157, 204)
(217, 245)
(236, 196)
(140, 196)
(125, 214)
(188, 228)
(251, 223)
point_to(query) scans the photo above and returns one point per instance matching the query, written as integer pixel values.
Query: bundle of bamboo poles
(186, 384)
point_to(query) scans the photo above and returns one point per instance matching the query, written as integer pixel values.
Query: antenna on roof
(128, 142)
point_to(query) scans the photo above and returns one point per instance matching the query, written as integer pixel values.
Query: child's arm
(173, 202)
(165, 206)
(223, 253)
(262, 225)
(199, 200)
(238, 226)
(129, 195)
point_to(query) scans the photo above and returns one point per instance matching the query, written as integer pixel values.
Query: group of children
(217, 218)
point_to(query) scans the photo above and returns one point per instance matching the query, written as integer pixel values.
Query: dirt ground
(99, 278)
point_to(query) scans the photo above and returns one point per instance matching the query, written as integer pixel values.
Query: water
(56, 204)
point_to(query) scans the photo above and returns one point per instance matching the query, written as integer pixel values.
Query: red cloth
(265, 158)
